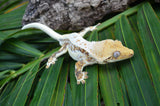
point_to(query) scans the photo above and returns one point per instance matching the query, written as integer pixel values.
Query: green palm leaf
(25, 81)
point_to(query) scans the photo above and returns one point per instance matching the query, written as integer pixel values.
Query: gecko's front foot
(94, 27)
(81, 76)
(51, 61)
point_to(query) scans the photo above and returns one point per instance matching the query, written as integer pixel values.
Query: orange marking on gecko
(77, 40)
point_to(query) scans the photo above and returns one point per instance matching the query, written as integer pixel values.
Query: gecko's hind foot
(81, 76)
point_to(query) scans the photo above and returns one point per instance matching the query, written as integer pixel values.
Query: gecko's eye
(116, 54)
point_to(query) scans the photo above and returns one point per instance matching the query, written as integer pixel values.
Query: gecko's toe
(48, 65)
(53, 60)
(98, 24)
(83, 81)
(85, 75)
(78, 82)
(95, 27)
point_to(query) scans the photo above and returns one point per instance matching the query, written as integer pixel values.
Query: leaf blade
(12, 19)
(138, 64)
(26, 86)
(58, 97)
(150, 46)
(21, 48)
(45, 89)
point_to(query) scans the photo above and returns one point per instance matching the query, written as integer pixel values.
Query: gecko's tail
(44, 28)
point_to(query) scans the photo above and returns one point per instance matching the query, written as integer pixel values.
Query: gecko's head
(118, 52)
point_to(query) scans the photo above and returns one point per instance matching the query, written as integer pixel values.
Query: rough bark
(71, 14)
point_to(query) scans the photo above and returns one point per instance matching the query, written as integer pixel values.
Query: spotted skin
(85, 52)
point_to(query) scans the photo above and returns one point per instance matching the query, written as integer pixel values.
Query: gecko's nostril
(132, 54)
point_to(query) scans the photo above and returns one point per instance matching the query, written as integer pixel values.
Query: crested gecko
(83, 51)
